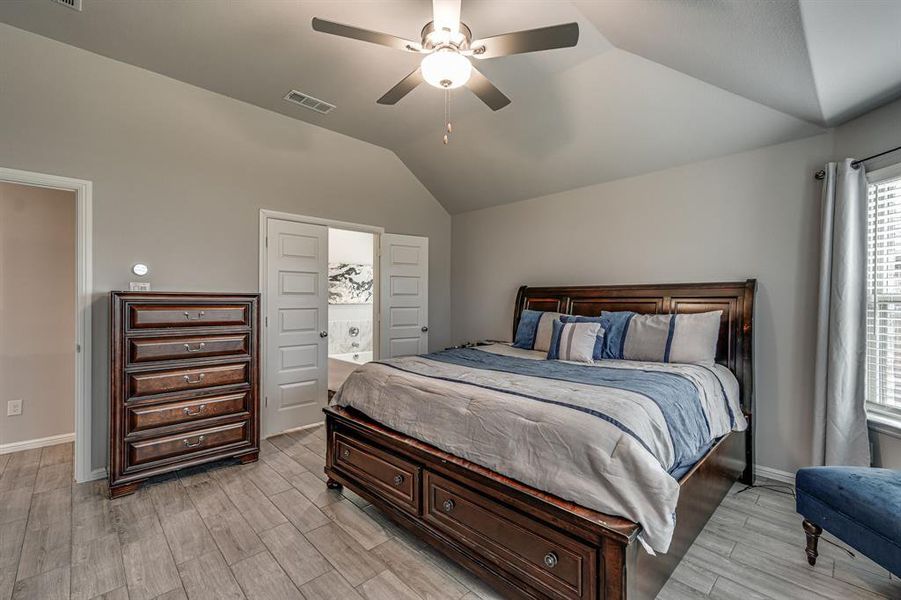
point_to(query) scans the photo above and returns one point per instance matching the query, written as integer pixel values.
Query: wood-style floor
(272, 530)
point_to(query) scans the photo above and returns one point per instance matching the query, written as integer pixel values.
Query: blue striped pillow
(534, 330)
(575, 341)
(614, 325)
(670, 338)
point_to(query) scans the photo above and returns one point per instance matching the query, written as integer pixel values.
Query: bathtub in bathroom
(340, 366)
(354, 357)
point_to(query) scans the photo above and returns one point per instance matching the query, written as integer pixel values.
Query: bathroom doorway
(351, 301)
(319, 289)
(334, 296)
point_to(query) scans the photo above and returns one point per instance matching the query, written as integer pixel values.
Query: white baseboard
(775, 474)
(97, 474)
(37, 443)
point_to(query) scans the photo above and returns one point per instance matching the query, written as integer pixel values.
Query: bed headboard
(734, 348)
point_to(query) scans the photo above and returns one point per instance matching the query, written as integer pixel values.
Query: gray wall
(37, 311)
(181, 173)
(753, 214)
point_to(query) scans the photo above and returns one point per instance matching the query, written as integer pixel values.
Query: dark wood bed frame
(527, 543)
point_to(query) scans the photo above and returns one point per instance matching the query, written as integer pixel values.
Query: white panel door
(296, 386)
(404, 295)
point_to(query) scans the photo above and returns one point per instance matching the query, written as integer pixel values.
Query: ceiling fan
(446, 47)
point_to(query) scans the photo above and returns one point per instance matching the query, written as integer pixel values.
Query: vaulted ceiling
(651, 84)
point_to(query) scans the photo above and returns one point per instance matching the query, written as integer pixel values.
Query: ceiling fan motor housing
(432, 38)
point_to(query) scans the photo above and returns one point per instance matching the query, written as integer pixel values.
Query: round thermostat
(140, 269)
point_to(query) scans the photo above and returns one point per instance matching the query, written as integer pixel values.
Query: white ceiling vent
(310, 102)
(73, 4)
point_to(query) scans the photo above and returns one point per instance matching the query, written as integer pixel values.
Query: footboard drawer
(394, 478)
(547, 560)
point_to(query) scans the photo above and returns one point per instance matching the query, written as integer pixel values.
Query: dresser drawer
(155, 316)
(145, 451)
(141, 350)
(143, 417)
(149, 383)
(545, 559)
(395, 478)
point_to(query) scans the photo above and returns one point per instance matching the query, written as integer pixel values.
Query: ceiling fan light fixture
(446, 69)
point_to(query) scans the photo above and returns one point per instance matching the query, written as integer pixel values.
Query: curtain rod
(821, 174)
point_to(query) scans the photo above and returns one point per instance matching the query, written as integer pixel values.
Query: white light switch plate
(14, 408)
(139, 286)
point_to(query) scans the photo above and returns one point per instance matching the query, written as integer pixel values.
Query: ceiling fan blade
(446, 14)
(403, 87)
(486, 91)
(531, 40)
(365, 35)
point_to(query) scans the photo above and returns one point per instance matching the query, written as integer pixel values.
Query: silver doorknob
(424, 329)
(323, 334)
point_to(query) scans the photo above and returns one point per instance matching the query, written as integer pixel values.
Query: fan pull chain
(447, 125)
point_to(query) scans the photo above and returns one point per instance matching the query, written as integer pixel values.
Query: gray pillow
(679, 338)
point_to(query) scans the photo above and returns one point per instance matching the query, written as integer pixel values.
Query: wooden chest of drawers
(184, 382)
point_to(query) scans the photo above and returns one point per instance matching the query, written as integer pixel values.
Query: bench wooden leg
(812, 531)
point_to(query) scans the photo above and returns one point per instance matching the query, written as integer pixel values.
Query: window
(883, 385)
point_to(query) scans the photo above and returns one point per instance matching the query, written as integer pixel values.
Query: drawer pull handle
(194, 413)
(448, 505)
(398, 479)
(199, 316)
(345, 453)
(198, 348)
(550, 560)
(199, 441)
(198, 380)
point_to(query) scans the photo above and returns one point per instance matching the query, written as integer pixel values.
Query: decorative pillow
(679, 338)
(600, 342)
(574, 341)
(534, 330)
(614, 325)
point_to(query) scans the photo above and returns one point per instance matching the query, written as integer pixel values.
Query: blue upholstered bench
(860, 506)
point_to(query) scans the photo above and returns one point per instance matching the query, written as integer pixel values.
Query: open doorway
(44, 317)
(351, 298)
(334, 296)
(319, 284)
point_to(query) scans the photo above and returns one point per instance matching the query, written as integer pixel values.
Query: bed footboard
(521, 541)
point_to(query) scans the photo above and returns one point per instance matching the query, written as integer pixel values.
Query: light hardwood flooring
(272, 530)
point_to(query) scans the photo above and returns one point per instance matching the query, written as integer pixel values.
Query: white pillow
(575, 341)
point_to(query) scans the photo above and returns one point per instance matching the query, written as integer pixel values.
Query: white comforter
(606, 447)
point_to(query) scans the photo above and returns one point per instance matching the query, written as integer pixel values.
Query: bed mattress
(613, 436)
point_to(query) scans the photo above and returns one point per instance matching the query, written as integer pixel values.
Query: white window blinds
(883, 387)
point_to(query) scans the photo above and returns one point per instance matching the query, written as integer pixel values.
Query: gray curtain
(840, 420)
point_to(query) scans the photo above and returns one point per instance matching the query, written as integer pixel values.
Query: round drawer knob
(448, 505)
(398, 479)
(550, 560)
(345, 453)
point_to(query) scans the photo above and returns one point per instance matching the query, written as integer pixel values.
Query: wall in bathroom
(350, 247)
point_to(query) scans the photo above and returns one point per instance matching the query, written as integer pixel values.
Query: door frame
(265, 215)
(83, 290)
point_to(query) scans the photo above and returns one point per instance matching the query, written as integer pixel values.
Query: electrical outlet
(14, 408)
